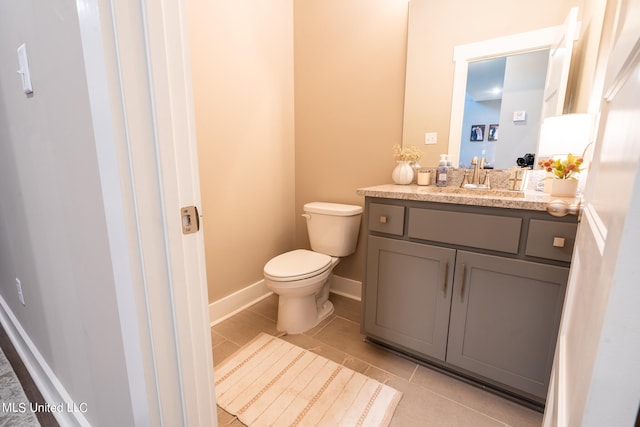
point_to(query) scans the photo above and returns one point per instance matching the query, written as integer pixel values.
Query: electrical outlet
(20, 294)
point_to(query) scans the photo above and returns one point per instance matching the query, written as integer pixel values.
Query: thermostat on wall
(519, 116)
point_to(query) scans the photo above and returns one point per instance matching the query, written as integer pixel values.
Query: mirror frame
(493, 48)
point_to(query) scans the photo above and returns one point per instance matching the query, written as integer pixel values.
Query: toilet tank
(333, 227)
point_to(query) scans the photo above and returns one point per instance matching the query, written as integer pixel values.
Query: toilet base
(298, 315)
(325, 311)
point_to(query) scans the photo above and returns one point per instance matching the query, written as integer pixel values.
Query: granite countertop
(528, 200)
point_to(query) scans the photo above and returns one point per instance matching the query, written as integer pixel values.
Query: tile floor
(430, 398)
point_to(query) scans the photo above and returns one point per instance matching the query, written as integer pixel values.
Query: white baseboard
(226, 307)
(348, 288)
(50, 387)
(231, 304)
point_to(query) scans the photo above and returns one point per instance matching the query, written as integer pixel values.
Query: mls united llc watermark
(23, 407)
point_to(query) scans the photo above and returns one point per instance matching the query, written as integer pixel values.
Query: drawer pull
(558, 242)
(383, 219)
(464, 274)
(445, 273)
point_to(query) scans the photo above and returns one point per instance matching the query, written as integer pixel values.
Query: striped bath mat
(272, 382)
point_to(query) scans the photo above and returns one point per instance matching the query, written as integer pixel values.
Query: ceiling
(485, 79)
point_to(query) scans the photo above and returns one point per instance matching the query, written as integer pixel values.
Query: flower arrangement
(562, 169)
(406, 154)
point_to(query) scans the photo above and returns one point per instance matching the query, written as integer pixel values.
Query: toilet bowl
(301, 278)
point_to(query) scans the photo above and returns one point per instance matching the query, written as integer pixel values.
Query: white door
(596, 374)
(558, 68)
(169, 75)
(138, 75)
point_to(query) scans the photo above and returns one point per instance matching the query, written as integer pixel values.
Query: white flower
(406, 154)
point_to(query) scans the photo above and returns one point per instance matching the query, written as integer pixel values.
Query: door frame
(139, 82)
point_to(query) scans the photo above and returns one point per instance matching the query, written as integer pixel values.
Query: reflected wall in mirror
(497, 89)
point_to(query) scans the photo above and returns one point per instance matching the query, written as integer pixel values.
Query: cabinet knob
(383, 219)
(558, 242)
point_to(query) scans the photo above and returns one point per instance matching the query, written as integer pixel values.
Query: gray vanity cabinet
(504, 320)
(474, 290)
(409, 298)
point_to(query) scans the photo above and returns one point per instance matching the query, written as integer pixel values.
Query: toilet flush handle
(307, 216)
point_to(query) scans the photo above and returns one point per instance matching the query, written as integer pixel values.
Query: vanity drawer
(386, 218)
(551, 240)
(497, 233)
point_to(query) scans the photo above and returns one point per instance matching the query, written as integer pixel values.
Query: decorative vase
(402, 173)
(564, 187)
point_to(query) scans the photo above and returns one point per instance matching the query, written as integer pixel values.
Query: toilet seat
(296, 265)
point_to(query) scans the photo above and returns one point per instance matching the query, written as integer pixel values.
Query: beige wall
(350, 66)
(348, 58)
(242, 60)
(592, 49)
(435, 29)
(349, 80)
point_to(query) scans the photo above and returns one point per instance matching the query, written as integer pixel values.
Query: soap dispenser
(442, 171)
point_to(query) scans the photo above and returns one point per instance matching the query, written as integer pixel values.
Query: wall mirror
(544, 55)
(503, 102)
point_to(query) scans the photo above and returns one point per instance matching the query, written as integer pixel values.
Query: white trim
(226, 307)
(171, 96)
(562, 398)
(509, 45)
(348, 288)
(97, 73)
(146, 46)
(597, 227)
(48, 384)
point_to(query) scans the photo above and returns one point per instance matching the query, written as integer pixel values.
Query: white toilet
(301, 278)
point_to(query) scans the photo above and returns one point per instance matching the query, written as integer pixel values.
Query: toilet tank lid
(336, 209)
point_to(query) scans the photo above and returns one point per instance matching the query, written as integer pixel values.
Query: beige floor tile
(310, 343)
(320, 326)
(421, 407)
(268, 307)
(225, 419)
(244, 326)
(346, 307)
(430, 398)
(325, 350)
(482, 401)
(223, 350)
(385, 377)
(345, 335)
(216, 338)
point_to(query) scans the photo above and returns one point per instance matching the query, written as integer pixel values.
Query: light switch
(519, 116)
(431, 138)
(24, 69)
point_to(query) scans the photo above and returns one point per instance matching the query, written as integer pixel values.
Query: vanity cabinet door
(408, 295)
(505, 315)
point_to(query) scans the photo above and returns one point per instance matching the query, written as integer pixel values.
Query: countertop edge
(532, 200)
